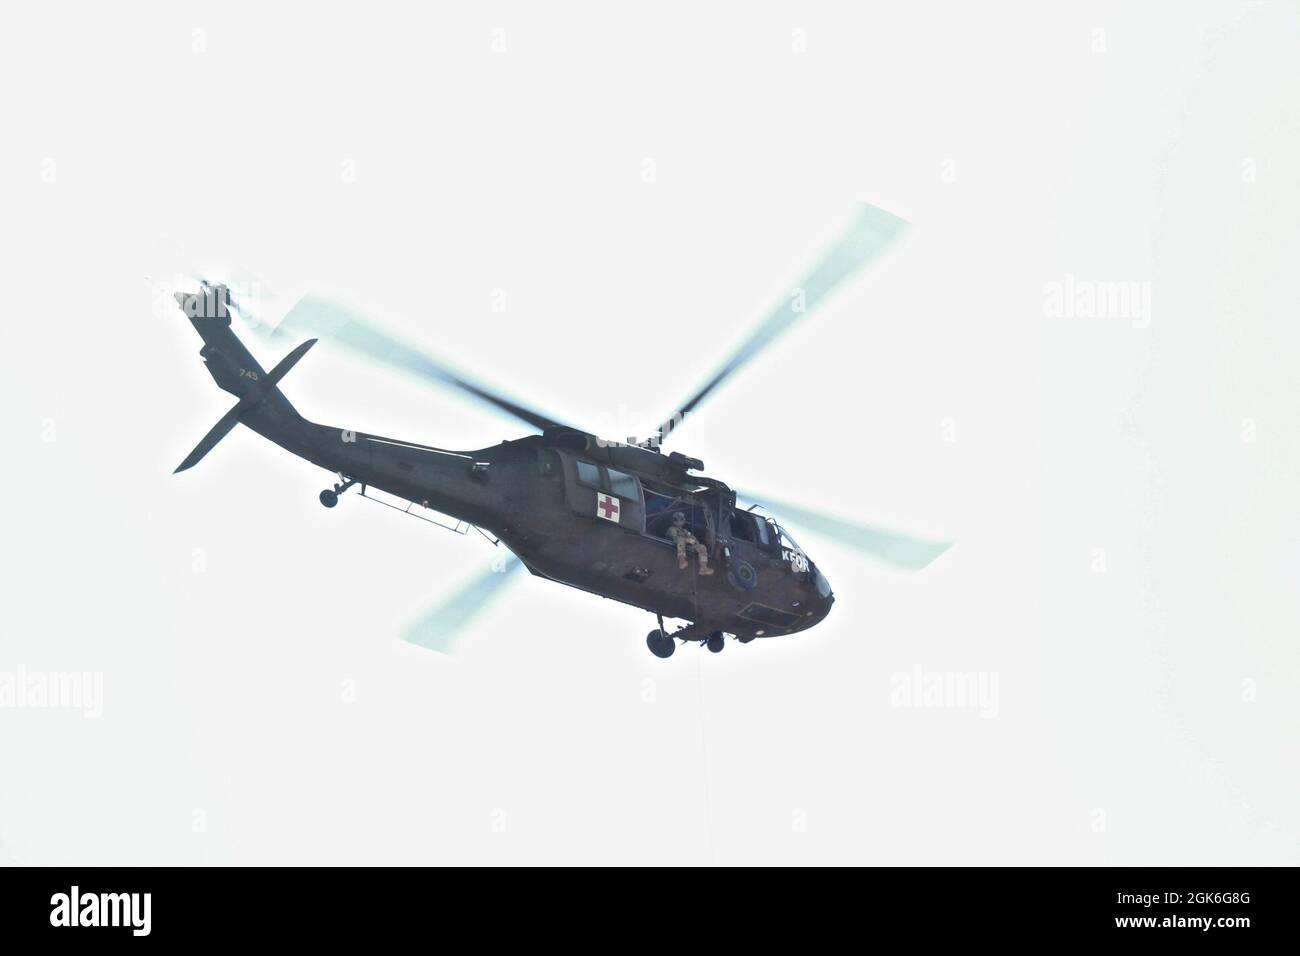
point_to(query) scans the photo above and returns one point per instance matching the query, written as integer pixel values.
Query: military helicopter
(598, 515)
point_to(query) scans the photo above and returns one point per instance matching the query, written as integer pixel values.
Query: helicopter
(598, 515)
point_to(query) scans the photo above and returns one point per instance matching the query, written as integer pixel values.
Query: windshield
(786, 540)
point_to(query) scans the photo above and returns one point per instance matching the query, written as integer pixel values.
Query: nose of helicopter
(819, 603)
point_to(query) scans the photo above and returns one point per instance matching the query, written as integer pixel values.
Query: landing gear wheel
(715, 642)
(330, 496)
(660, 644)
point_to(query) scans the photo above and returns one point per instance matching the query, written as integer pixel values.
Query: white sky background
(1121, 734)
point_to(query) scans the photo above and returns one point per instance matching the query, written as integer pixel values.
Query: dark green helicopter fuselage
(574, 509)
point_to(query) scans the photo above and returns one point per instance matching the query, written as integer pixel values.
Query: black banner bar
(1156, 905)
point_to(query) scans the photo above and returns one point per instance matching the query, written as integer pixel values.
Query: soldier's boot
(704, 563)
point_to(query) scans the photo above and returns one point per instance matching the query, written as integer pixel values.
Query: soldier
(684, 539)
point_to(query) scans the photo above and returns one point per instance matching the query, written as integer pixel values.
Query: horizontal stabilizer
(289, 361)
(258, 391)
(218, 432)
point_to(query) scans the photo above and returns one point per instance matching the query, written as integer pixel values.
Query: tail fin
(232, 367)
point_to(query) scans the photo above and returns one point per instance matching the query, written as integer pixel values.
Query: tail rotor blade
(891, 547)
(439, 629)
(247, 295)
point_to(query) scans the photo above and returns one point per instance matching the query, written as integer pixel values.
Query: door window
(621, 484)
(609, 480)
(589, 475)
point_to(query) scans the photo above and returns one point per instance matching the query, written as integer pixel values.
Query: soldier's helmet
(679, 518)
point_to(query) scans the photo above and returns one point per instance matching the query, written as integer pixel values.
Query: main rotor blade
(439, 629)
(900, 550)
(329, 320)
(872, 231)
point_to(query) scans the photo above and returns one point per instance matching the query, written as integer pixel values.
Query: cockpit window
(589, 474)
(786, 540)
